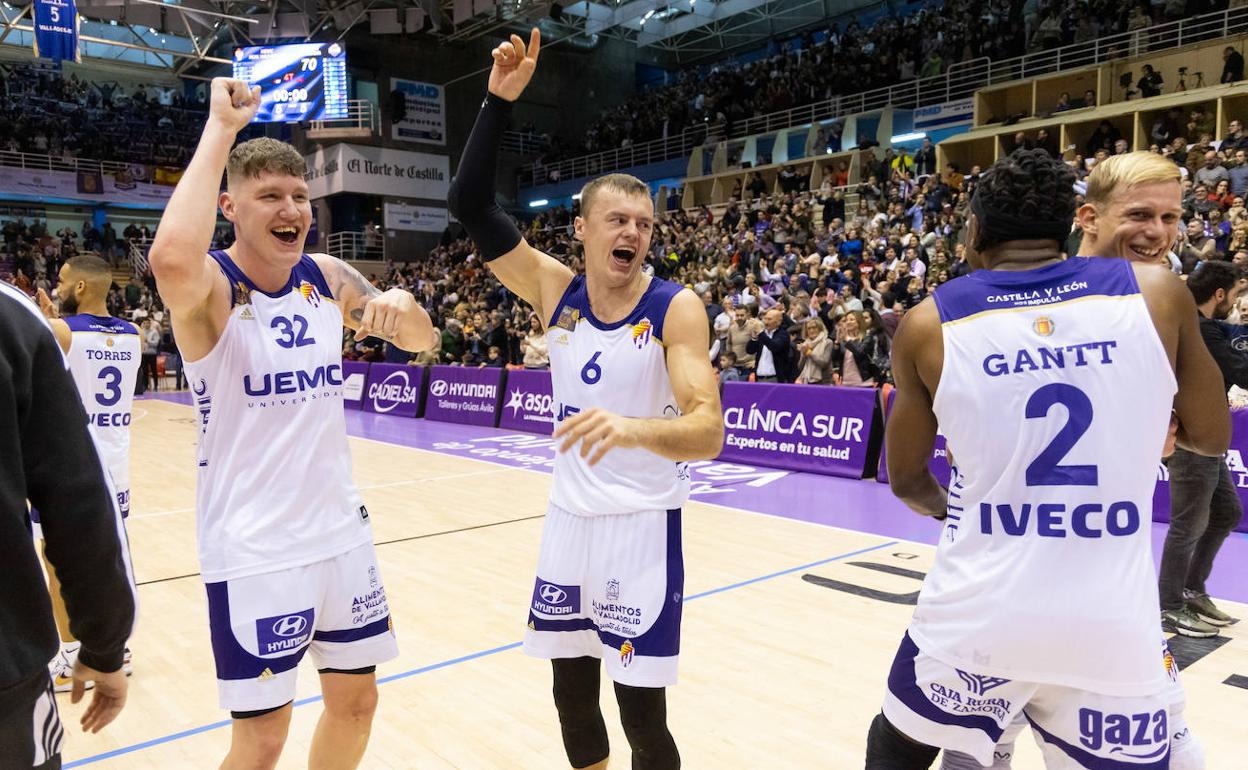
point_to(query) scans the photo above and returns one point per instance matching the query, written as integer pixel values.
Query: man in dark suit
(1232, 65)
(772, 349)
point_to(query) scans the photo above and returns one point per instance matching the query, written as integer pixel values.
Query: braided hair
(1027, 195)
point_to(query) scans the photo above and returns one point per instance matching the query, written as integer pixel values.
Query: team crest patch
(1172, 670)
(1043, 326)
(108, 342)
(310, 293)
(641, 333)
(626, 653)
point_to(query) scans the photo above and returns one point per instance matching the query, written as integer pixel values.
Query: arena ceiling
(187, 34)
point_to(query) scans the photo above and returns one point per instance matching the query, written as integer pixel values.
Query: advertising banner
(528, 402)
(424, 113)
(423, 219)
(938, 463)
(377, 171)
(93, 189)
(354, 380)
(393, 389)
(1234, 460)
(822, 429)
(462, 394)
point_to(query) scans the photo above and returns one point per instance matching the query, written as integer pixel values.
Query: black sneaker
(1203, 607)
(1185, 623)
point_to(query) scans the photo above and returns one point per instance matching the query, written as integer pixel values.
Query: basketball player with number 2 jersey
(1053, 382)
(285, 541)
(635, 399)
(104, 355)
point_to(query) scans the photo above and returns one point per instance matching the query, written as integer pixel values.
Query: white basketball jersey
(104, 357)
(1055, 397)
(619, 367)
(275, 487)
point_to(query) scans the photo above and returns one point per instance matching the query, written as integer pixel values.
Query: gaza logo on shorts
(283, 633)
(554, 599)
(1139, 736)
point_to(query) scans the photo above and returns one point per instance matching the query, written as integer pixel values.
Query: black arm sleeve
(471, 196)
(83, 533)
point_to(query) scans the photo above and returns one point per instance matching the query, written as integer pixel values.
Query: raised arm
(535, 277)
(394, 315)
(698, 434)
(910, 433)
(64, 337)
(185, 274)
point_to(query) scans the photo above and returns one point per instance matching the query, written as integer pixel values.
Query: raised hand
(514, 65)
(232, 103)
(46, 305)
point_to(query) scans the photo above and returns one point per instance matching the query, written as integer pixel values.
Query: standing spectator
(1238, 173)
(151, 349)
(535, 346)
(739, 335)
(1232, 65)
(925, 158)
(1204, 503)
(817, 365)
(772, 348)
(855, 353)
(47, 457)
(1150, 82)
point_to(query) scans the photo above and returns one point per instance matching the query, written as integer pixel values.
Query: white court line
(449, 477)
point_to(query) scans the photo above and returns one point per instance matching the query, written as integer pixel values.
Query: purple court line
(854, 504)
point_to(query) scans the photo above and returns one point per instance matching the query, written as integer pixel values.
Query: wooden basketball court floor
(797, 598)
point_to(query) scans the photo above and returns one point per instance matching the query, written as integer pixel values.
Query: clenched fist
(233, 104)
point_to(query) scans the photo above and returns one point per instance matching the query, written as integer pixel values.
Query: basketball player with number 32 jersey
(1053, 382)
(285, 541)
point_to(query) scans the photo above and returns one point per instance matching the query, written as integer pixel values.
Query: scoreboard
(301, 81)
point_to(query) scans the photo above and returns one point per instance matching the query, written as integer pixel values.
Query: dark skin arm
(910, 434)
(1200, 403)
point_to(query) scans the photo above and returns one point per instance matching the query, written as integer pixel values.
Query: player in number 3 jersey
(635, 399)
(1053, 382)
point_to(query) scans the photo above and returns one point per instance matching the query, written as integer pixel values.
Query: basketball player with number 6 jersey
(285, 541)
(1053, 381)
(104, 355)
(635, 398)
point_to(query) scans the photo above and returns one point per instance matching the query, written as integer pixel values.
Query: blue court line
(453, 661)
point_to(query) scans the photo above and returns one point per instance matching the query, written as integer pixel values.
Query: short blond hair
(621, 183)
(1128, 170)
(264, 155)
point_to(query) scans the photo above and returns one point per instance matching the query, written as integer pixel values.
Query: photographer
(1150, 82)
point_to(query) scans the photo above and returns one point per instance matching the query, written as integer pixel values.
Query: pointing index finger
(535, 43)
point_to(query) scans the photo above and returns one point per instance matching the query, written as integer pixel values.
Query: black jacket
(1232, 362)
(781, 352)
(48, 458)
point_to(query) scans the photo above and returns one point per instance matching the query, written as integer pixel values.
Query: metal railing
(524, 143)
(961, 81)
(361, 113)
(357, 245)
(37, 162)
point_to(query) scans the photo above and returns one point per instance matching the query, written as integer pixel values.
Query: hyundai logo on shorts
(438, 388)
(291, 625)
(554, 599)
(552, 594)
(283, 634)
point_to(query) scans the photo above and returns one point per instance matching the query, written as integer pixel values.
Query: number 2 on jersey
(1044, 471)
(294, 331)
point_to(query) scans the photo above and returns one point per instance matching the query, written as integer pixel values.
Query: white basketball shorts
(263, 624)
(610, 587)
(939, 705)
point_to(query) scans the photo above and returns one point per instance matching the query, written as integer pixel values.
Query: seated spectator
(1212, 172)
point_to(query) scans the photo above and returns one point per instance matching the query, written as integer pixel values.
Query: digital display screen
(301, 81)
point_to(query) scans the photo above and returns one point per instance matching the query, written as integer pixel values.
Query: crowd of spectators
(858, 58)
(45, 113)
